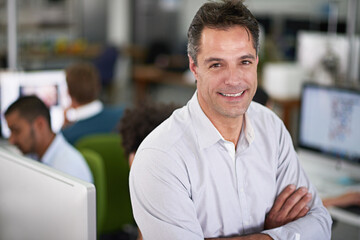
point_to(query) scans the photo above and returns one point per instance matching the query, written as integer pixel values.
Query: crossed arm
(289, 206)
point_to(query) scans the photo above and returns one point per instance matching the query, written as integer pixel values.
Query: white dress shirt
(64, 157)
(187, 182)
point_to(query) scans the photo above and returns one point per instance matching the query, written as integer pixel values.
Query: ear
(41, 123)
(192, 66)
(131, 158)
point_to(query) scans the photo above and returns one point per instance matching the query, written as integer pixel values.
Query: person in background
(29, 121)
(137, 123)
(223, 166)
(87, 114)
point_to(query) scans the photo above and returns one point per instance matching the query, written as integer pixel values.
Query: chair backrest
(118, 206)
(96, 164)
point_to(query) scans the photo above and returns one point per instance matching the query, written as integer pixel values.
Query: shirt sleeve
(317, 223)
(160, 196)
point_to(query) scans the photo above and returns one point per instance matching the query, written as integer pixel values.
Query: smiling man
(223, 166)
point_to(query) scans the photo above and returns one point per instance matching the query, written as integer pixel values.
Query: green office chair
(96, 164)
(118, 213)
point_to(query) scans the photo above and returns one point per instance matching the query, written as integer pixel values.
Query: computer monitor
(49, 86)
(329, 121)
(39, 203)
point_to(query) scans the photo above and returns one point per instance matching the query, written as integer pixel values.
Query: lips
(232, 94)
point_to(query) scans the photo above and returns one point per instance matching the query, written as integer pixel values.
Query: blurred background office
(139, 48)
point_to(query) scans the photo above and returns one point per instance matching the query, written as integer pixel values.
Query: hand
(344, 200)
(289, 206)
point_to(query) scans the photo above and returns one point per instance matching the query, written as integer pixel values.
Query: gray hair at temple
(221, 15)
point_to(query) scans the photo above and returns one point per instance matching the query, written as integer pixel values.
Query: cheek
(210, 79)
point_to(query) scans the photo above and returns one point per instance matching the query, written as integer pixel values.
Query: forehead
(226, 40)
(14, 118)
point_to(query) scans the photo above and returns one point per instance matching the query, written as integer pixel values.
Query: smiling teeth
(232, 95)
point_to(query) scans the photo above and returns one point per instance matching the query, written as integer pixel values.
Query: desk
(145, 75)
(325, 173)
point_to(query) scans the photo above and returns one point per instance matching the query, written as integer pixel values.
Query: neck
(45, 143)
(230, 129)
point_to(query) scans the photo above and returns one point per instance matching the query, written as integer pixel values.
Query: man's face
(226, 72)
(22, 132)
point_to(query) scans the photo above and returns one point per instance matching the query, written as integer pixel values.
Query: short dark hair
(261, 96)
(139, 121)
(83, 82)
(221, 15)
(30, 107)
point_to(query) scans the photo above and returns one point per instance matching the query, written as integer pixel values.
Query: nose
(233, 76)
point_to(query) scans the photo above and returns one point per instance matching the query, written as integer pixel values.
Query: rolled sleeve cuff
(282, 233)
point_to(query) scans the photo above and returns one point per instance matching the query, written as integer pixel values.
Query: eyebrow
(215, 59)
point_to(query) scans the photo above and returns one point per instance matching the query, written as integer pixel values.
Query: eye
(246, 62)
(215, 65)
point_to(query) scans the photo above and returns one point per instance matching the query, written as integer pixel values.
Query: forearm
(312, 226)
(248, 237)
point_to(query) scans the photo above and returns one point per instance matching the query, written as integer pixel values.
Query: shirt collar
(84, 111)
(202, 124)
(47, 158)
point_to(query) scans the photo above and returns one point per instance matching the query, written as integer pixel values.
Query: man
(223, 166)
(28, 119)
(87, 114)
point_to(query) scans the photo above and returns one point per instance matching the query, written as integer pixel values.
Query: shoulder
(169, 133)
(261, 114)
(66, 149)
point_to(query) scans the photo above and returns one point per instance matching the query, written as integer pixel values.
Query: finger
(283, 196)
(293, 200)
(302, 213)
(300, 206)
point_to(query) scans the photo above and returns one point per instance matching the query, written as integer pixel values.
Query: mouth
(232, 94)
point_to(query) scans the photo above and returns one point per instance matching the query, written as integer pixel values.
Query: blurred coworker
(137, 123)
(29, 121)
(87, 115)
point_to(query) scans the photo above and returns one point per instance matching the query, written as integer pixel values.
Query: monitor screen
(49, 86)
(39, 202)
(329, 121)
